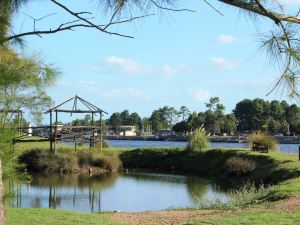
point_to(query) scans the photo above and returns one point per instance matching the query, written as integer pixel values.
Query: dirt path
(288, 204)
(164, 217)
(182, 216)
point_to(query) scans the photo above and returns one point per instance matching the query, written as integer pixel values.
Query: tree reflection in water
(133, 191)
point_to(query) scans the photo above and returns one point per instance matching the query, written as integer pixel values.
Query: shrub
(239, 166)
(104, 144)
(40, 160)
(85, 158)
(199, 140)
(110, 163)
(34, 159)
(263, 139)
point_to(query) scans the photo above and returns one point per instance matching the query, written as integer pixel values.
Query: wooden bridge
(55, 133)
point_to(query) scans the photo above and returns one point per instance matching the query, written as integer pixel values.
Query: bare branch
(214, 8)
(170, 9)
(59, 29)
(112, 18)
(128, 20)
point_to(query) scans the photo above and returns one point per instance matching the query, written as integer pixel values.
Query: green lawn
(55, 217)
(252, 218)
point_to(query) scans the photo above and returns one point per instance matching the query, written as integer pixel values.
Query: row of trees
(214, 119)
(249, 115)
(274, 117)
(162, 118)
(124, 118)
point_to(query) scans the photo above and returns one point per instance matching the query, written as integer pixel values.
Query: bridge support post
(51, 133)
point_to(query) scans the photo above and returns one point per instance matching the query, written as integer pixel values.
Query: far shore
(228, 139)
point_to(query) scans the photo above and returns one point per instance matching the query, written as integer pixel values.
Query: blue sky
(175, 59)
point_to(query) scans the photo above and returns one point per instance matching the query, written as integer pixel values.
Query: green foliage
(115, 121)
(249, 193)
(263, 139)
(239, 166)
(198, 140)
(181, 127)
(183, 112)
(124, 119)
(8, 164)
(164, 118)
(274, 116)
(23, 83)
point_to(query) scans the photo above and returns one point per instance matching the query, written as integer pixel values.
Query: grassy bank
(269, 168)
(56, 217)
(262, 217)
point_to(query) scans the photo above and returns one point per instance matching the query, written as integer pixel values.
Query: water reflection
(133, 191)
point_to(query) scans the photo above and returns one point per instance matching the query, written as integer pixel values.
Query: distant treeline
(275, 117)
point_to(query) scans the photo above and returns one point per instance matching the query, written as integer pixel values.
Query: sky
(175, 58)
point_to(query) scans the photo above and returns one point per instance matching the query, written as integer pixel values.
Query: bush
(239, 166)
(84, 158)
(199, 140)
(104, 144)
(263, 139)
(41, 160)
(110, 163)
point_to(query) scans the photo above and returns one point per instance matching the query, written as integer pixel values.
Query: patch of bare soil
(175, 217)
(289, 204)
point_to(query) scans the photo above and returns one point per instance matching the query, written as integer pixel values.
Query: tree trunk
(2, 207)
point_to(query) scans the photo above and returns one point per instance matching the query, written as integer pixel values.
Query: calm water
(130, 192)
(286, 148)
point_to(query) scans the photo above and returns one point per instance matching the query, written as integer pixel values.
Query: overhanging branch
(258, 10)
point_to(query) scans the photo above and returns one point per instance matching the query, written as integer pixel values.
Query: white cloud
(223, 63)
(127, 65)
(87, 82)
(139, 94)
(169, 71)
(93, 88)
(131, 67)
(199, 94)
(242, 83)
(226, 39)
(93, 68)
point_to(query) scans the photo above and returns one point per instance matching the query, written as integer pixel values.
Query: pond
(285, 148)
(128, 192)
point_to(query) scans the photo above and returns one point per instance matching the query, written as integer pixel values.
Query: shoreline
(226, 139)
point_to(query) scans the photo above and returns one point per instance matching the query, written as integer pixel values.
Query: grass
(58, 217)
(259, 217)
(287, 188)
